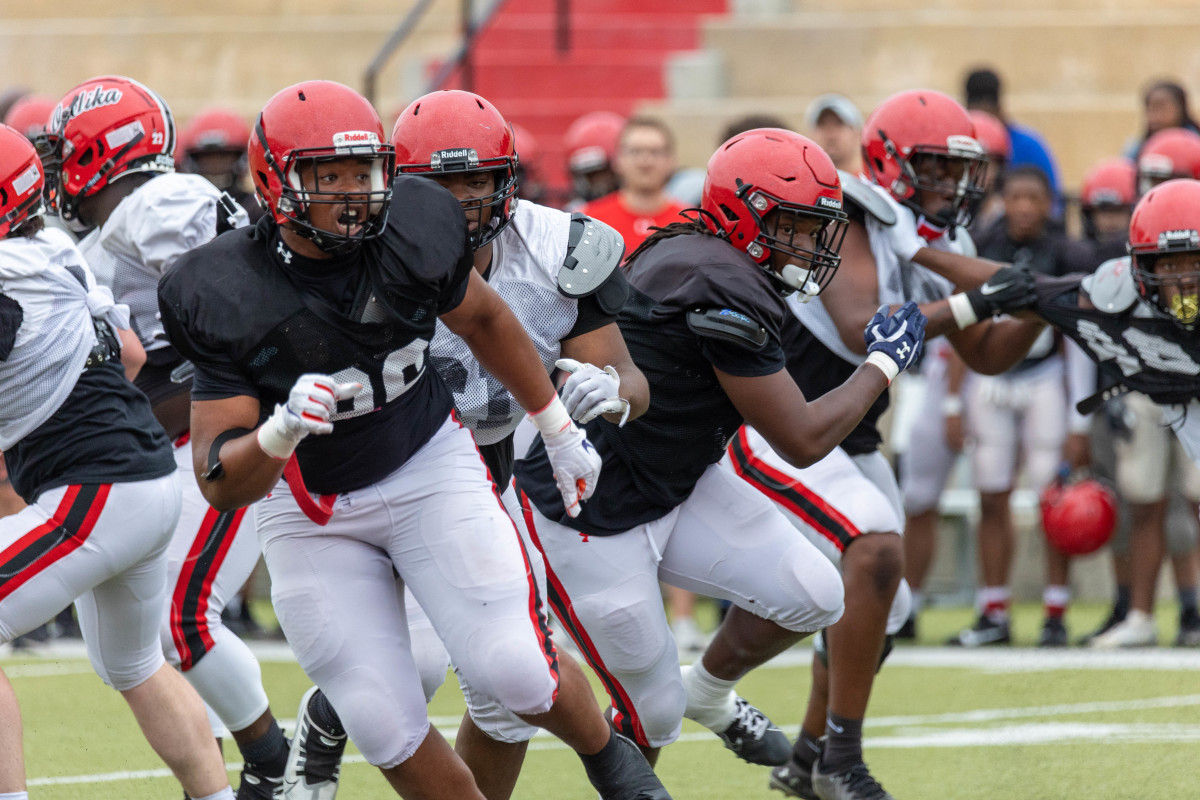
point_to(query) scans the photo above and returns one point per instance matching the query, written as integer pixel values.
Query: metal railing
(472, 24)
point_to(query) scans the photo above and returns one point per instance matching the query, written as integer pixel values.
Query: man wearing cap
(835, 123)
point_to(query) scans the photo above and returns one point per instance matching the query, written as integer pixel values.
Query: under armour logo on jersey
(284, 253)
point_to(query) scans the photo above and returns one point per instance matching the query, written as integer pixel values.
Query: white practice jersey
(899, 282)
(160, 221)
(48, 297)
(526, 258)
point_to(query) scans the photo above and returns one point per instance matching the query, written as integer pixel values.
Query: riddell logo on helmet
(1177, 239)
(829, 202)
(355, 139)
(96, 97)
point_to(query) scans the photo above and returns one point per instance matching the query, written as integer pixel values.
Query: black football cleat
(755, 739)
(984, 633)
(315, 759)
(852, 783)
(1054, 633)
(794, 780)
(257, 786)
(626, 776)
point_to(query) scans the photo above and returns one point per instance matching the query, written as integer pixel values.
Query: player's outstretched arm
(605, 346)
(804, 432)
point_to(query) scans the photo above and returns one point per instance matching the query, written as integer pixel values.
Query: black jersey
(103, 433)
(652, 464)
(1145, 352)
(253, 316)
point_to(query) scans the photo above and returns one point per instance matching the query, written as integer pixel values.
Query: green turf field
(996, 725)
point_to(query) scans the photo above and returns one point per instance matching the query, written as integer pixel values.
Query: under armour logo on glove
(893, 343)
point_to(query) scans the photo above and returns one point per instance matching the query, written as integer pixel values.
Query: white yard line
(987, 660)
(913, 736)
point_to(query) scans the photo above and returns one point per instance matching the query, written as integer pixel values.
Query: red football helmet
(992, 136)
(1110, 182)
(215, 130)
(21, 180)
(1170, 153)
(1166, 221)
(529, 164)
(30, 114)
(302, 126)
(591, 145)
(924, 140)
(104, 129)
(767, 170)
(452, 131)
(1078, 517)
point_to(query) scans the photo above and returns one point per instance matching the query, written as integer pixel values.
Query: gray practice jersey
(147, 232)
(526, 259)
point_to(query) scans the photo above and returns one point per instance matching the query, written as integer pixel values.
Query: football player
(84, 451)
(1136, 316)
(109, 156)
(558, 274)
(926, 165)
(322, 401)
(213, 145)
(591, 145)
(703, 324)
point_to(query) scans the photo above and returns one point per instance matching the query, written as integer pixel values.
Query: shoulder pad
(1111, 288)
(857, 191)
(729, 325)
(594, 251)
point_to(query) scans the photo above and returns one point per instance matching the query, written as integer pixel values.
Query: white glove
(573, 458)
(903, 236)
(311, 403)
(591, 391)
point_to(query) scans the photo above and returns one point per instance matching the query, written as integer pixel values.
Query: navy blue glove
(894, 343)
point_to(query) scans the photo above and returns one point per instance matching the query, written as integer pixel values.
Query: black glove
(1010, 289)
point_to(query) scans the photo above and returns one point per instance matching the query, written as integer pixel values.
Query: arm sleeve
(215, 381)
(742, 361)
(1081, 383)
(591, 316)
(454, 289)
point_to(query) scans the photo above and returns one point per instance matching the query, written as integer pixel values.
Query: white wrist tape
(274, 438)
(960, 307)
(889, 368)
(551, 419)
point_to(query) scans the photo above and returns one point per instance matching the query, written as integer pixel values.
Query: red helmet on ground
(21, 180)
(214, 130)
(452, 131)
(1170, 153)
(924, 140)
(770, 169)
(1080, 517)
(30, 114)
(1166, 221)
(992, 136)
(1110, 182)
(302, 126)
(104, 129)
